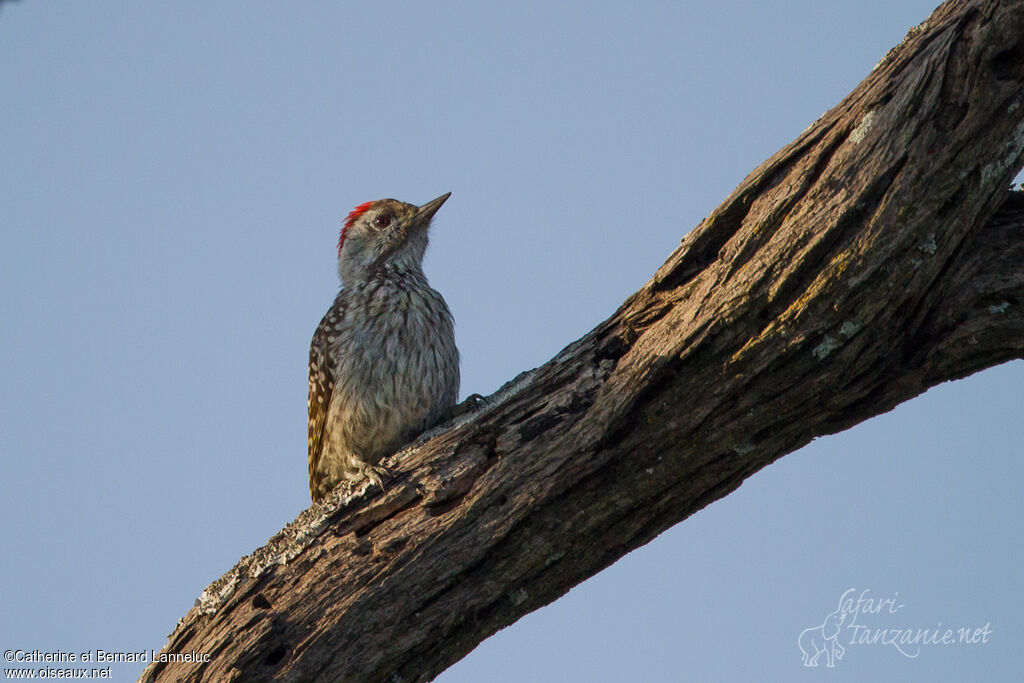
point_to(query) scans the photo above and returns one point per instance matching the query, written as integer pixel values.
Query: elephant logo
(823, 639)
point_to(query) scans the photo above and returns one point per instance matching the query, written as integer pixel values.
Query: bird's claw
(473, 402)
(374, 473)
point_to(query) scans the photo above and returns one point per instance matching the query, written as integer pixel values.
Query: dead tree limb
(877, 255)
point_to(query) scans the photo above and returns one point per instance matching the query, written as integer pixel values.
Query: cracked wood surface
(878, 254)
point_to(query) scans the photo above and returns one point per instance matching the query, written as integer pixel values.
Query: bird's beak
(427, 211)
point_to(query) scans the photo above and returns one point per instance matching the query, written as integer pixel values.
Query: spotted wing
(321, 386)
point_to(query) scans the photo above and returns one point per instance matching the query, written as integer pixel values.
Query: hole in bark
(394, 545)
(276, 655)
(1008, 64)
(950, 115)
(438, 509)
(538, 425)
(527, 414)
(614, 348)
(362, 546)
(502, 499)
(260, 602)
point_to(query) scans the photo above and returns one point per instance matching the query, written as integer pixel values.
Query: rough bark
(877, 255)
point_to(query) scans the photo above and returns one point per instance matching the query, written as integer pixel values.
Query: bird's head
(382, 234)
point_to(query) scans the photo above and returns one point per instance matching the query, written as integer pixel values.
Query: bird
(383, 364)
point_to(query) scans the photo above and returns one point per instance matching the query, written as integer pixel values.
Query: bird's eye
(382, 221)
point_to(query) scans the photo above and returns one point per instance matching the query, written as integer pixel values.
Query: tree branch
(877, 255)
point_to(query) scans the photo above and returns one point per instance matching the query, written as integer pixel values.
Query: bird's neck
(402, 274)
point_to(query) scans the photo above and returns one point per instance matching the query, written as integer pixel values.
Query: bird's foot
(374, 473)
(473, 402)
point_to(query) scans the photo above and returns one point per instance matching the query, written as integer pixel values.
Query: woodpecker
(383, 365)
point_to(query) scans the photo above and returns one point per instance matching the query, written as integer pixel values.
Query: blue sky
(172, 180)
